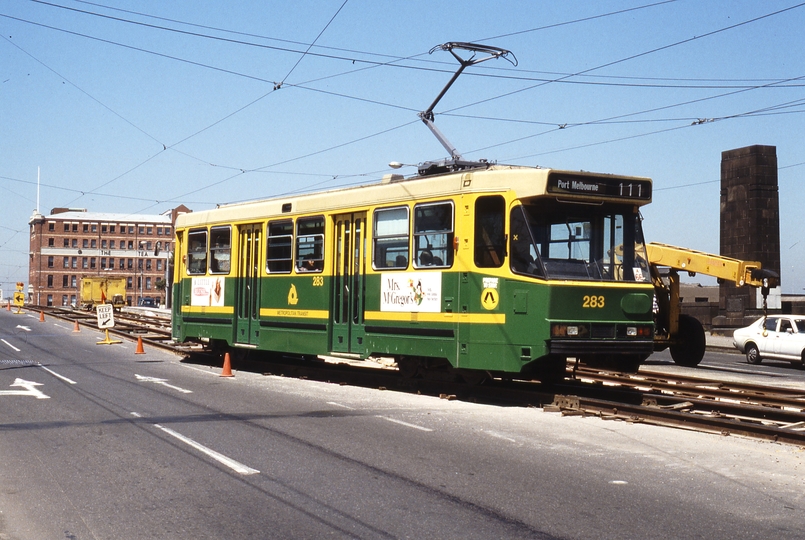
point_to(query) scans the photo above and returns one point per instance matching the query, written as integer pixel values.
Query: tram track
(649, 396)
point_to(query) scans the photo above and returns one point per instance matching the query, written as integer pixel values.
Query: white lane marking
(229, 462)
(9, 344)
(60, 326)
(163, 382)
(26, 328)
(406, 424)
(136, 415)
(62, 377)
(208, 372)
(340, 405)
(29, 389)
(499, 436)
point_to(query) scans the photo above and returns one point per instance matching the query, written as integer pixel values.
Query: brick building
(72, 243)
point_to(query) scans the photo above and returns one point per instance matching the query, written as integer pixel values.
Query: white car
(781, 337)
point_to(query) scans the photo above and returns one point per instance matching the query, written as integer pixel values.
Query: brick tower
(750, 226)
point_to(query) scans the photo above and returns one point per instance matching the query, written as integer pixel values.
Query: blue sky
(140, 106)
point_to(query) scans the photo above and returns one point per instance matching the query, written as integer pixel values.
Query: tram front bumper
(586, 347)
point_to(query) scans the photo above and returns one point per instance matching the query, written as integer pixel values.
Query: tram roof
(393, 189)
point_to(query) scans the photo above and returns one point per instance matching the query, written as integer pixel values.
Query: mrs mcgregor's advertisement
(411, 292)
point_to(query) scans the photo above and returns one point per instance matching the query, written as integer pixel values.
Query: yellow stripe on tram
(473, 318)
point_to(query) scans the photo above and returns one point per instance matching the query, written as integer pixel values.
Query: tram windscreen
(580, 242)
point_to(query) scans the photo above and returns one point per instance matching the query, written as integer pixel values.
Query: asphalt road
(97, 442)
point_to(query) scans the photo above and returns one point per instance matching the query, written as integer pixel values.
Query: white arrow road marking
(163, 382)
(30, 389)
(10, 345)
(229, 462)
(26, 328)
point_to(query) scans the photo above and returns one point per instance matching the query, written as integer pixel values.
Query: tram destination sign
(608, 188)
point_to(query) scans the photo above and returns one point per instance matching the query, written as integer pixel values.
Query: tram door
(348, 283)
(247, 309)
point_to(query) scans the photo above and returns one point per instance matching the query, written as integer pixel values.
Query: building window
(148, 245)
(74, 262)
(131, 244)
(149, 231)
(85, 243)
(131, 229)
(50, 262)
(51, 242)
(75, 227)
(52, 226)
(159, 231)
(66, 227)
(50, 300)
(112, 229)
(122, 264)
(111, 244)
(148, 283)
(141, 230)
(130, 264)
(66, 242)
(111, 263)
(72, 300)
(103, 263)
(148, 264)
(66, 262)
(84, 262)
(86, 227)
(93, 243)
(94, 227)
(159, 263)
(103, 244)
(73, 283)
(128, 283)
(391, 238)
(65, 282)
(167, 231)
(50, 281)
(75, 242)
(64, 300)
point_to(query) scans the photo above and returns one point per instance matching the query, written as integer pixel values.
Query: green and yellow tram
(501, 269)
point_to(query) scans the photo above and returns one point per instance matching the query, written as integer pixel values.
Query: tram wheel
(688, 350)
(472, 377)
(408, 367)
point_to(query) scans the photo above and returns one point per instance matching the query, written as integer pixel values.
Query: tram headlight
(568, 330)
(631, 331)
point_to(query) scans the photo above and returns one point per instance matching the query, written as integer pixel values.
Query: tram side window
(490, 231)
(220, 250)
(525, 258)
(433, 235)
(197, 252)
(310, 244)
(390, 238)
(279, 256)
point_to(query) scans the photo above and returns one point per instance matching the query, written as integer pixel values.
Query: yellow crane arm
(739, 272)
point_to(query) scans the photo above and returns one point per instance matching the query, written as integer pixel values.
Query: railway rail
(649, 396)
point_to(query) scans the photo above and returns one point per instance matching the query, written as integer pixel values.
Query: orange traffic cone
(41, 316)
(227, 371)
(76, 328)
(139, 346)
(8, 306)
